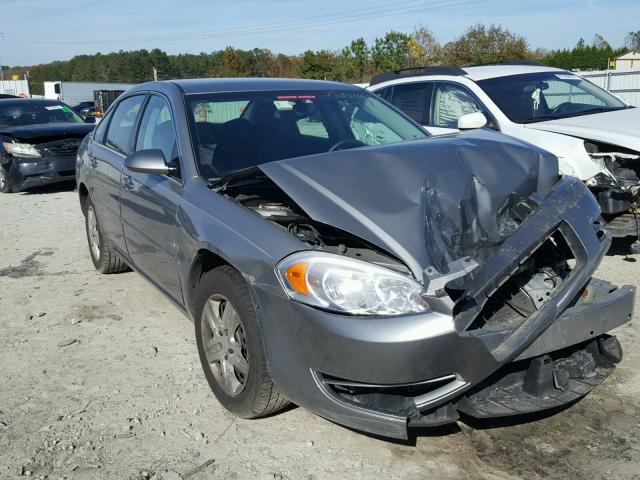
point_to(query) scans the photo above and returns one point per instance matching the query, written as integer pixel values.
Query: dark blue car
(39, 140)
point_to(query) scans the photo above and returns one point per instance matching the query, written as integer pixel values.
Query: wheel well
(204, 262)
(84, 194)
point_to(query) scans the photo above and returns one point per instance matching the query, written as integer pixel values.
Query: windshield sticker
(284, 104)
(296, 97)
(66, 109)
(55, 107)
(566, 76)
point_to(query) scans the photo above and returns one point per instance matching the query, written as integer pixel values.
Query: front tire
(229, 340)
(104, 259)
(5, 187)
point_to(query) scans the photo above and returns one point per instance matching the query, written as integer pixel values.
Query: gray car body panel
(400, 182)
(384, 195)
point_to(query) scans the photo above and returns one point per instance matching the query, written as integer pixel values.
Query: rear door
(113, 141)
(412, 98)
(149, 202)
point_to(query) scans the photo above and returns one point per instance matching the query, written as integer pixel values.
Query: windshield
(239, 130)
(24, 112)
(534, 97)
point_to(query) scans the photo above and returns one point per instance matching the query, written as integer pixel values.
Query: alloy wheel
(94, 234)
(224, 344)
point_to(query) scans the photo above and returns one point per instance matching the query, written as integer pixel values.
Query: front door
(112, 143)
(449, 102)
(149, 202)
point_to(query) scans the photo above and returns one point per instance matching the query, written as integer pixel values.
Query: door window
(123, 123)
(158, 132)
(450, 102)
(412, 99)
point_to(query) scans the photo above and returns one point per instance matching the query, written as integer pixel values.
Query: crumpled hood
(48, 132)
(424, 201)
(621, 127)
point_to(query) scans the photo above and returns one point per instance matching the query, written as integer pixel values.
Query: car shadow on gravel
(501, 422)
(622, 247)
(48, 189)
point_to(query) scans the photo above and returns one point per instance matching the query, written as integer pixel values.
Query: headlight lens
(22, 150)
(345, 285)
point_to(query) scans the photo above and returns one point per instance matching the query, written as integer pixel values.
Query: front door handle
(93, 162)
(127, 182)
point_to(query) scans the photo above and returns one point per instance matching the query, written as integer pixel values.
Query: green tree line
(356, 62)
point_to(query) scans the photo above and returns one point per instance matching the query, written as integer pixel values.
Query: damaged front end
(505, 252)
(617, 187)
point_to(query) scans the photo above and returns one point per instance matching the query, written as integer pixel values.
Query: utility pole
(155, 74)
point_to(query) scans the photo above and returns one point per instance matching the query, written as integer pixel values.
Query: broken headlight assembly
(25, 150)
(350, 286)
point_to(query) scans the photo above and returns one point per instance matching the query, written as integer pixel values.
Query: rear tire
(5, 187)
(104, 259)
(233, 357)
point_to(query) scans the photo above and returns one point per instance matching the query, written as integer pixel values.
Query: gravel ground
(99, 378)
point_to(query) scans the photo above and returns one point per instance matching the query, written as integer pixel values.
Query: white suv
(594, 134)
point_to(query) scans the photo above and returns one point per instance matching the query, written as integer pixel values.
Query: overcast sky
(38, 31)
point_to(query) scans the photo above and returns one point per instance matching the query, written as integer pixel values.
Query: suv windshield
(25, 112)
(239, 130)
(534, 97)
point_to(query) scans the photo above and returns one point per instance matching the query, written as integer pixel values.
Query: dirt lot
(99, 378)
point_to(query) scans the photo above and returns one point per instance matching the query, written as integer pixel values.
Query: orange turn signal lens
(297, 277)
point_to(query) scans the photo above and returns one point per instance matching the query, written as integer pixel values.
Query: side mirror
(147, 161)
(472, 121)
(89, 119)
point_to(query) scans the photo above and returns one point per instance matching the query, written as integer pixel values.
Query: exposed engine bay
(617, 187)
(259, 194)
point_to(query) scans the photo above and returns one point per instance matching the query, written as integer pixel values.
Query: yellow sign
(612, 63)
(15, 77)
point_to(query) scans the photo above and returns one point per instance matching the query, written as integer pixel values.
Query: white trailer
(72, 93)
(19, 88)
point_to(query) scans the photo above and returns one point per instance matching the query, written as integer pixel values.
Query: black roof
(222, 85)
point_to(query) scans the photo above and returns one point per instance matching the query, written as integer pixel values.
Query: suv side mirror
(147, 161)
(471, 121)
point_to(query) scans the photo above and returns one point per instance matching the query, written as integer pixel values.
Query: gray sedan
(331, 255)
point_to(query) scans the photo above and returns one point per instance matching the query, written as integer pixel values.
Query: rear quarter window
(123, 123)
(101, 128)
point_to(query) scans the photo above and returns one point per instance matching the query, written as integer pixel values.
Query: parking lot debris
(67, 342)
(207, 467)
(167, 475)
(150, 351)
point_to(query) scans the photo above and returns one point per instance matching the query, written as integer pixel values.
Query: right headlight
(22, 150)
(346, 285)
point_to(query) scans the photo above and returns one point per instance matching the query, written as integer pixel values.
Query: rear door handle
(127, 182)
